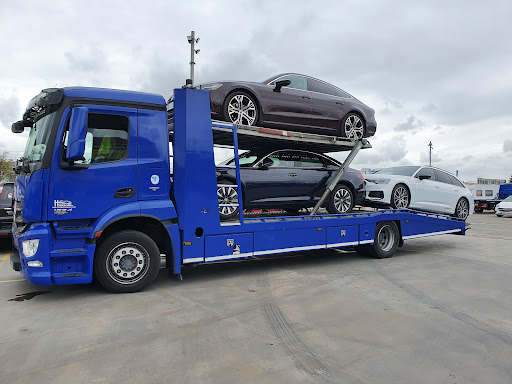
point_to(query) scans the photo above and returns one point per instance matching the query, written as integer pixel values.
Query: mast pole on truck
(192, 40)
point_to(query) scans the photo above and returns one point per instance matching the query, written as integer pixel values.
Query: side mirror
(19, 126)
(77, 133)
(424, 177)
(281, 84)
(266, 164)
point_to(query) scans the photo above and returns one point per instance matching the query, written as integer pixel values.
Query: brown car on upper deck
(294, 102)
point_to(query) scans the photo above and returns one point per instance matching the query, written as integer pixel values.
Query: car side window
(442, 177)
(286, 159)
(317, 86)
(309, 160)
(297, 82)
(426, 172)
(457, 182)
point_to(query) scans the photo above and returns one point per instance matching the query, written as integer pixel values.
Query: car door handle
(306, 97)
(435, 186)
(124, 193)
(292, 174)
(339, 103)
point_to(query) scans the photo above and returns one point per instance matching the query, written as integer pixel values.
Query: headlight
(378, 181)
(210, 87)
(30, 247)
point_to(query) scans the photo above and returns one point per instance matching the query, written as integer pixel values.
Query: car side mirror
(266, 164)
(280, 84)
(424, 177)
(77, 133)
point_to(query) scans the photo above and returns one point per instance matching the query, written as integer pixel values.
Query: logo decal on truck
(155, 179)
(62, 207)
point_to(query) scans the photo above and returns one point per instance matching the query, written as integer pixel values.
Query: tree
(6, 169)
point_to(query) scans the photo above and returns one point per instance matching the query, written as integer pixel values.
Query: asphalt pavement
(439, 311)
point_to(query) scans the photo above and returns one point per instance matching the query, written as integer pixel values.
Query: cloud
(424, 158)
(9, 110)
(412, 125)
(507, 146)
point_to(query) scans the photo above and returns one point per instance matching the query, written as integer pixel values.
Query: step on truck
(94, 196)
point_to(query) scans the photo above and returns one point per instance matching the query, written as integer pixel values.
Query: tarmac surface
(439, 311)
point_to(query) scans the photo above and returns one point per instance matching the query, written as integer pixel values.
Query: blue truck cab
(93, 195)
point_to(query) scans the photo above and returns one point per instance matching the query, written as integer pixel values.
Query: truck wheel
(127, 261)
(227, 193)
(340, 200)
(478, 210)
(385, 243)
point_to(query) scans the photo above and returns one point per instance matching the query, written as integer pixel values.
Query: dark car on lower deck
(6, 191)
(287, 179)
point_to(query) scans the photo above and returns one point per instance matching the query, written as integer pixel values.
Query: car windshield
(403, 171)
(38, 138)
(508, 199)
(246, 159)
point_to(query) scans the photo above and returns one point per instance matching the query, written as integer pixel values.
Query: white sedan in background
(423, 188)
(504, 208)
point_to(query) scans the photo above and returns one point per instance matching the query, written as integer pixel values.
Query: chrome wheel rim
(241, 110)
(342, 200)
(462, 209)
(127, 263)
(354, 127)
(227, 195)
(385, 238)
(401, 198)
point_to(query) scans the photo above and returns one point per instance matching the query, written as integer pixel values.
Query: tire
(341, 200)
(400, 197)
(385, 243)
(240, 108)
(353, 126)
(462, 209)
(478, 210)
(227, 195)
(141, 262)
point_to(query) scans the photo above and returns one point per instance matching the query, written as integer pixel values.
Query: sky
(434, 71)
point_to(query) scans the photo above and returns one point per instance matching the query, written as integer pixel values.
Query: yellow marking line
(11, 281)
(4, 259)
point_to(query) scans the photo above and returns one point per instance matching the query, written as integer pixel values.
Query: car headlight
(378, 181)
(30, 247)
(210, 87)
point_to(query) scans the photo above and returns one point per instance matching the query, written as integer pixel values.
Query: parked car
(423, 188)
(505, 207)
(301, 103)
(287, 179)
(6, 191)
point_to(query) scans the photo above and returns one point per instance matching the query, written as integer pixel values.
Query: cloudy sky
(433, 70)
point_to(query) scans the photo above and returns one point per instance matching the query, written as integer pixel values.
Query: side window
(488, 192)
(308, 160)
(442, 177)
(426, 172)
(479, 192)
(317, 86)
(106, 139)
(297, 82)
(284, 159)
(456, 182)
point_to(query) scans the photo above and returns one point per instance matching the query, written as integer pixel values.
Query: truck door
(108, 173)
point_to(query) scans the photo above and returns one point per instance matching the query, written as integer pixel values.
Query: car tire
(353, 126)
(127, 261)
(400, 197)
(240, 108)
(462, 209)
(385, 243)
(227, 193)
(341, 200)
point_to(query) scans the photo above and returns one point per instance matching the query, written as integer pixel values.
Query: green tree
(6, 169)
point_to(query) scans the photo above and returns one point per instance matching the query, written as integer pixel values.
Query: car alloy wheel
(462, 209)
(241, 109)
(353, 127)
(400, 197)
(228, 200)
(342, 200)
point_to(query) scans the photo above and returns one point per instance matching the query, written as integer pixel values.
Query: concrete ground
(440, 311)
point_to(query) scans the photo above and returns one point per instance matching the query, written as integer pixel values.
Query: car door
(312, 175)
(327, 108)
(448, 195)
(426, 192)
(109, 175)
(291, 105)
(275, 183)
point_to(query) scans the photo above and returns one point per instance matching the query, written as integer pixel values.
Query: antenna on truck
(189, 83)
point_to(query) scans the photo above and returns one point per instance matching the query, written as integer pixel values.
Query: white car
(423, 188)
(504, 208)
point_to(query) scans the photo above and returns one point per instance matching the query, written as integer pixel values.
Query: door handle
(292, 174)
(306, 97)
(435, 186)
(124, 193)
(339, 103)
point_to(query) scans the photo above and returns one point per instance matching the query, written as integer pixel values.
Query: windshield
(403, 171)
(246, 159)
(38, 138)
(508, 199)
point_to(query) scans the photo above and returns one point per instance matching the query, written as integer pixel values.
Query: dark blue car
(287, 179)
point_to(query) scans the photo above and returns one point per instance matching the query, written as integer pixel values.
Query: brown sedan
(292, 101)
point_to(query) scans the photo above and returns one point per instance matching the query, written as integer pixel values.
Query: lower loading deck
(273, 235)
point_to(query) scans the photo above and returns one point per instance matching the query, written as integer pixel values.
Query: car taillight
(361, 176)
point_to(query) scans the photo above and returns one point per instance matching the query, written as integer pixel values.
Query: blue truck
(94, 196)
